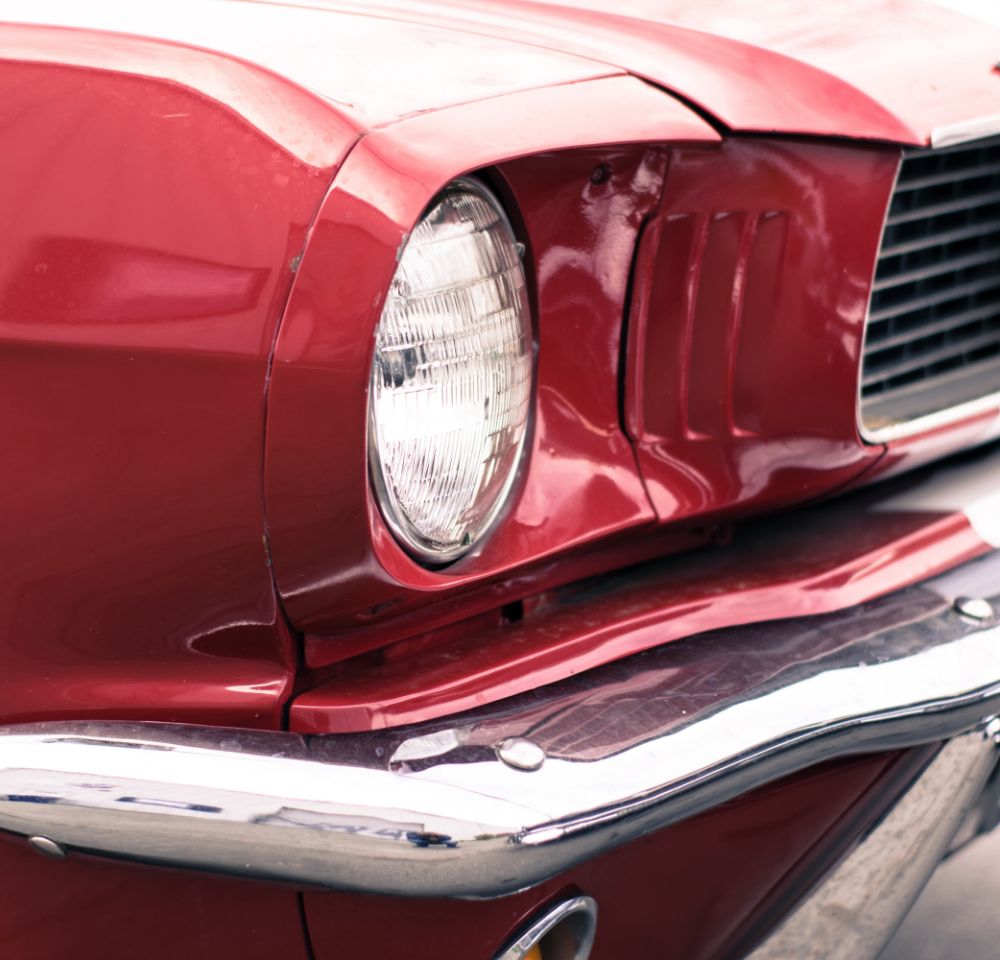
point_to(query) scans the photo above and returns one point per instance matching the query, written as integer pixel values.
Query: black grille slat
(937, 239)
(880, 339)
(942, 209)
(947, 176)
(936, 269)
(969, 289)
(939, 357)
(935, 305)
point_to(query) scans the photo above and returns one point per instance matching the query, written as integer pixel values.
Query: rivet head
(47, 847)
(600, 174)
(520, 753)
(974, 609)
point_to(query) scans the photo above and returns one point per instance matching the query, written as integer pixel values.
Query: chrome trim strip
(866, 437)
(952, 134)
(970, 486)
(853, 913)
(579, 915)
(981, 406)
(629, 748)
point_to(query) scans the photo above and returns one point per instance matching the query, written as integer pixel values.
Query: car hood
(906, 71)
(900, 70)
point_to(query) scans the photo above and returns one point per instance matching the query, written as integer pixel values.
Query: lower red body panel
(693, 891)
(79, 907)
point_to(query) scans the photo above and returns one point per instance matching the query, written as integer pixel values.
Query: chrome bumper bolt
(520, 753)
(974, 609)
(47, 847)
(992, 730)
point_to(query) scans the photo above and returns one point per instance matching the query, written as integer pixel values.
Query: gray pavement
(958, 915)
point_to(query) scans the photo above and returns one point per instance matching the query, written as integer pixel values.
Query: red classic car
(494, 480)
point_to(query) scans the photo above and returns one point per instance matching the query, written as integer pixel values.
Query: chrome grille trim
(932, 337)
(978, 128)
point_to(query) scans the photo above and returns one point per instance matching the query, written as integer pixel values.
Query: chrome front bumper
(447, 809)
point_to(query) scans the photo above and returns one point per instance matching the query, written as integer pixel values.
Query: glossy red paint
(736, 311)
(826, 558)
(153, 197)
(341, 58)
(336, 564)
(84, 907)
(890, 70)
(156, 198)
(926, 66)
(690, 892)
(451, 611)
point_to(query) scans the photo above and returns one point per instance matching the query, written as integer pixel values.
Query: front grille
(933, 336)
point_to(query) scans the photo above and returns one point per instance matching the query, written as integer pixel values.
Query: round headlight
(451, 378)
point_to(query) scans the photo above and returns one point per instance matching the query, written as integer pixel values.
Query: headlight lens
(451, 378)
